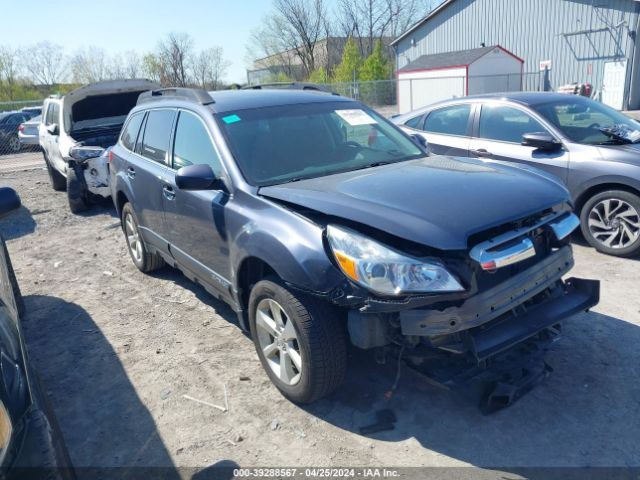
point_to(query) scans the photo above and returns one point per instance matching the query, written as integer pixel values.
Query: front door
(195, 220)
(499, 137)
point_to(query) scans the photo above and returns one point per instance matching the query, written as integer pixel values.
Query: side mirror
(82, 154)
(53, 129)
(195, 177)
(541, 141)
(420, 141)
(9, 200)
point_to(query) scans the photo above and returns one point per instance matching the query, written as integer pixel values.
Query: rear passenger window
(130, 133)
(53, 113)
(193, 145)
(449, 120)
(157, 132)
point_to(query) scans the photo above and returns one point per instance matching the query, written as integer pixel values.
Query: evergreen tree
(376, 65)
(351, 62)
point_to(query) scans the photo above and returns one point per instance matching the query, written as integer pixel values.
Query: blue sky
(120, 25)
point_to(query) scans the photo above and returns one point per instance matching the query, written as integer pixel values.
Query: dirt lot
(118, 350)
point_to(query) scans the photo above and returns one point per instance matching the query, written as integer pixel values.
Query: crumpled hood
(435, 201)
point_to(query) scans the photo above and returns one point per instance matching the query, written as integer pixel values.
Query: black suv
(319, 221)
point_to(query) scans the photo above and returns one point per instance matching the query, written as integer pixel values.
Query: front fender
(629, 181)
(288, 242)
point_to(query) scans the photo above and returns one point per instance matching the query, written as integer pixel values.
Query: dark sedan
(9, 125)
(31, 446)
(594, 149)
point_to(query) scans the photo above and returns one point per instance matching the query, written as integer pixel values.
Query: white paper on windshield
(634, 136)
(356, 117)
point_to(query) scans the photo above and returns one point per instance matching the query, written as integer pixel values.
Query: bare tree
(89, 65)
(116, 67)
(304, 24)
(152, 68)
(8, 71)
(173, 53)
(45, 63)
(209, 66)
(132, 64)
(370, 20)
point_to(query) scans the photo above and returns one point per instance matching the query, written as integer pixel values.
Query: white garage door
(615, 74)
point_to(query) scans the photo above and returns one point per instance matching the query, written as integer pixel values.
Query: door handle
(481, 152)
(131, 172)
(168, 192)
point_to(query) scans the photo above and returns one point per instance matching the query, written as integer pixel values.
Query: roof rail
(290, 86)
(191, 94)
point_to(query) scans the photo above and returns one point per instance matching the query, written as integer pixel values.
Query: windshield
(585, 121)
(292, 142)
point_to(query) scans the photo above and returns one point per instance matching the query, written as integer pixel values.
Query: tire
(145, 261)
(613, 235)
(320, 341)
(13, 281)
(13, 144)
(58, 182)
(76, 190)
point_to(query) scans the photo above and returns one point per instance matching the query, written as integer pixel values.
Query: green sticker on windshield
(231, 119)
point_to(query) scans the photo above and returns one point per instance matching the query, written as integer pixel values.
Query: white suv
(76, 130)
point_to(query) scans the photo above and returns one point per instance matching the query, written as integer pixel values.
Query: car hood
(102, 102)
(435, 201)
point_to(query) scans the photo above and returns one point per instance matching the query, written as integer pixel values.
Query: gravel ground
(118, 351)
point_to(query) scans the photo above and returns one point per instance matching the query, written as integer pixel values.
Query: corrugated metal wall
(578, 36)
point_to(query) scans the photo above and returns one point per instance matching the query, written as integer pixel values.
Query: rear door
(146, 170)
(195, 220)
(448, 130)
(499, 137)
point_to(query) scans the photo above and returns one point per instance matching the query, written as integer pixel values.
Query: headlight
(5, 431)
(386, 271)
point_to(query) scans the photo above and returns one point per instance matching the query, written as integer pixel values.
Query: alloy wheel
(133, 237)
(278, 341)
(14, 144)
(614, 223)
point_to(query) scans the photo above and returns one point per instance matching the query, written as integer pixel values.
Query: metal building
(560, 41)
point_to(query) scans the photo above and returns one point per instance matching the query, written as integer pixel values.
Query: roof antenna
(482, 44)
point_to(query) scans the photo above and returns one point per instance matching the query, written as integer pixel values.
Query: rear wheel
(58, 182)
(299, 339)
(145, 261)
(610, 222)
(14, 144)
(76, 190)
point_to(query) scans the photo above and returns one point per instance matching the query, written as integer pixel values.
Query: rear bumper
(27, 139)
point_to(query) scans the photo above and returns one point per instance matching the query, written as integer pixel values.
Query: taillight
(21, 127)
(110, 156)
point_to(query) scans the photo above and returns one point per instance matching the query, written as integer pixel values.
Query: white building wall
(420, 88)
(497, 71)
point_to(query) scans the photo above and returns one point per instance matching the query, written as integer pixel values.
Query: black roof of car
(234, 100)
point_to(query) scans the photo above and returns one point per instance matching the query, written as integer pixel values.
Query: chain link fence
(16, 133)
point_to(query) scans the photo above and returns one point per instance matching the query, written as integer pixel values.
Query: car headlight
(6, 430)
(384, 270)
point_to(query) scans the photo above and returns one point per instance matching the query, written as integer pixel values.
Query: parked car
(32, 111)
(31, 445)
(592, 148)
(90, 116)
(9, 124)
(28, 132)
(319, 222)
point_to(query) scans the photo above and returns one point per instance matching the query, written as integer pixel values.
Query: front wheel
(76, 190)
(299, 339)
(610, 222)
